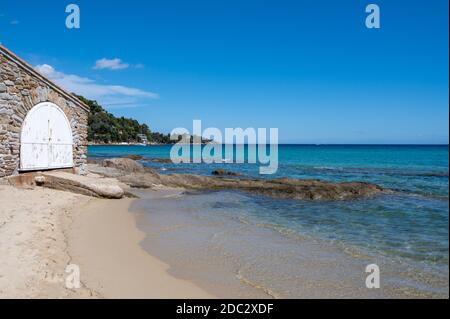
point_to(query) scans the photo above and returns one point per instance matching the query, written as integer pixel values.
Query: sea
(242, 245)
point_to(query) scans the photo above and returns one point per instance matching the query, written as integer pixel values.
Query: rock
(90, 186)
(5, 96)
(39, 180)
(2, 88)
(94, 161)
(104, 171)
(9, 83)
(159, 160)
(124, 164)
(222, 172)
(139, 184)
(134, 157)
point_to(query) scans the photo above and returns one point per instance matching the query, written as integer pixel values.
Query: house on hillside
(143, 139)
(41, 125)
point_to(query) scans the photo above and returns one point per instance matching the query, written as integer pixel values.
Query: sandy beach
(43, 230)
(33, 244)
(104, 242)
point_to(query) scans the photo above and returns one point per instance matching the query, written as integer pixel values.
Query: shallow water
(225, 242)
(289, 248)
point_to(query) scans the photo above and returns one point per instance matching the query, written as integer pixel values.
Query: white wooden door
(46, 139)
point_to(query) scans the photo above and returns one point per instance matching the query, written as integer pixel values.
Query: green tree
(104, 127)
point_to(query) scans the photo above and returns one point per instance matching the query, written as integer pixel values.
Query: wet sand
(104, 242)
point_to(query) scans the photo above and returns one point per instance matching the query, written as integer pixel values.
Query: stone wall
(20, 90)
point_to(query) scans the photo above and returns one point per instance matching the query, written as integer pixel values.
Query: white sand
(33, 255)
(43, 230)
(104, 242)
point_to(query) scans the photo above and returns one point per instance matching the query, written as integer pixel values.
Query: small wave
(181, 194)
(418, 194)
(383, 171)
(328, 168)
(266, 290)
(433, 174)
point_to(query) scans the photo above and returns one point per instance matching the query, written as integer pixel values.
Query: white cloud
(110, 64)
(13, 22)
(107, 94)
(139, 66)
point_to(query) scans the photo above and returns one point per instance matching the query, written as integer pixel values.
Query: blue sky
(310, 68)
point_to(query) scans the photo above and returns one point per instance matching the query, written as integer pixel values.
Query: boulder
(124, 164)
(222, 172)
(39, 180)
(90, 186)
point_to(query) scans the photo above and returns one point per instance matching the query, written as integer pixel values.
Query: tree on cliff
(104, 127)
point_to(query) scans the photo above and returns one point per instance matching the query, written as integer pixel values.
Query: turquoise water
(417, 169)
(407, 229)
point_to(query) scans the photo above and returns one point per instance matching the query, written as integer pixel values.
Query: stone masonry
(21, 88)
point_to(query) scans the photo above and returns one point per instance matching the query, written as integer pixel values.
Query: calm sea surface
(290, 248)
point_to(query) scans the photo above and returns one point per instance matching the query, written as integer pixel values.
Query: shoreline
(124, 252)
(189, 232)
(44, 230)
(105, 242)
(223, 282)
(117, 253)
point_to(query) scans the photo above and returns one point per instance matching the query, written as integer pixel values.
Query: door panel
(60, 140)
(46, 139)
(34, 156)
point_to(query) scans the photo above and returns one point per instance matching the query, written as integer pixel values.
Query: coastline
(104, 241)
(44, 230)
(189, 232)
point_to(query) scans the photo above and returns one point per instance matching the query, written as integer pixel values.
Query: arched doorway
(46, 139)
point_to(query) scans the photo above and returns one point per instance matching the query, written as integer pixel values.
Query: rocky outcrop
(222, 172)
(278, 188)
(90, 186)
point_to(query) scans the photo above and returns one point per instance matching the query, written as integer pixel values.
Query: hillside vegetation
(105, 128)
